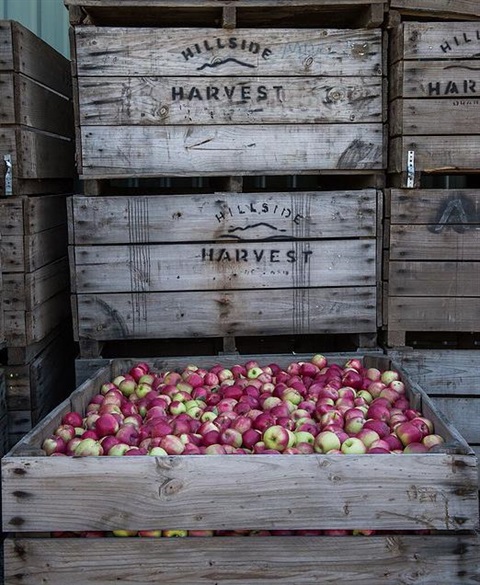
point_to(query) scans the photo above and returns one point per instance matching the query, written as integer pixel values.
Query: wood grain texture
(229, 217)
(202, 3)
(217, 314)
(25, 216)
(150, 52)
(422, 486)
(160, 101)
(376, 560)
(174, 150)
(438, 8)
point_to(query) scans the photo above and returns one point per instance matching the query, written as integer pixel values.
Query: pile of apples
(308, 407)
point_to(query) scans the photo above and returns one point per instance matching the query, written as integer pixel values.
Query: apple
(326, 441)
(408, 433)
(88, 447)
(432, 440)
(118, 450)
(55, 444)
(278, 438)
(368, 436)
(353, 446)
(303, 437)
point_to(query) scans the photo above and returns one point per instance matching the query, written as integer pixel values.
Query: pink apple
(408, 433)
(54, 444)
(278, 438)
(251, 437)
(368, 436)
(172, 445)
(88, 447)
(326, 441)
(72, 418)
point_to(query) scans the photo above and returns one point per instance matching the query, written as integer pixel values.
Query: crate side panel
(424, 487)
(223, 216)
(438, 8)
(212, 314)
(250, 561)
(123, 151)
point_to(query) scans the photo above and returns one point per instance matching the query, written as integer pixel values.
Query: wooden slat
(442, 372)
(435, 279)
(24, 216)
(32, 252)
(375, 560)
(189, 484)
(450, 79)
(25, 52)
(123, 151)
(464, 414)
(26, 328)
(438, 8)
(222, 216)
(437, 40)
(201, 3)
(24, 292)
(276, 312)
(228, 100)
(442, 209)
(149, 268)
(445, 154)
(7, 97)
(422, 243)
(435, 117)
(154, 52)
(433, 314)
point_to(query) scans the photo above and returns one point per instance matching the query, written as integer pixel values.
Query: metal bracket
(8, 174)
(410, 169)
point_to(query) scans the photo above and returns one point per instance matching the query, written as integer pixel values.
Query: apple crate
(154, 101)
(432, 266)
(424, 507)
(35, 268)
(36, 112)
(224, 265)
(434, 106)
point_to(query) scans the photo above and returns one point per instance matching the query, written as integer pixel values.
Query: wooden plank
(440, 40)
(422, 243)
(24, 216)
(142, 268)
(441, 372)
(23, 329)
(32, 252)
(438, 8)
(25, 292)
(433, 314)
(201, 3)
(435, 116)
(164, 315)
(442, 154)
(7, 97)
(25, 52)
(448, 79)
(245, 561)
(228, 100)
(464, 414)
(442, 209)
(3, 392)
(435, 279)
(148, 151)
(48, 483)
(222, 216)
(150, 52)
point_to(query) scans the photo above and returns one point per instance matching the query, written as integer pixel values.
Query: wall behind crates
(48, 19)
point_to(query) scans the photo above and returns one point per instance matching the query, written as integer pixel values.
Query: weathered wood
(374, 560)
(438, 8)
(434, 314)
(22, 216)
(228, 100)
(222, 216)
(148, 151)
(137, 315)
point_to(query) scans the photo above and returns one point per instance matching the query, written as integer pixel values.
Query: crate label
(459, 214)
(255, 256)
(261, 208)
(234, 46)
(449, 87)
(460, 40)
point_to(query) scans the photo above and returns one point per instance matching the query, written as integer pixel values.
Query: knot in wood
(170, 487)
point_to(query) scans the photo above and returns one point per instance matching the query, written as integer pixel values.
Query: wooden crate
(35, 267)
(317, 13)
(36, 387)
(434, 99)
(459, 9)
(3, 417)
(432, 265)
(450, 378)
(223, 265)
(396, 495)
(203, 101)
(36, 114)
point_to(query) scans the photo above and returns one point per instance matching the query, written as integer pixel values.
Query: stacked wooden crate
(37, 155)
(432, 263)
(264, 89)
